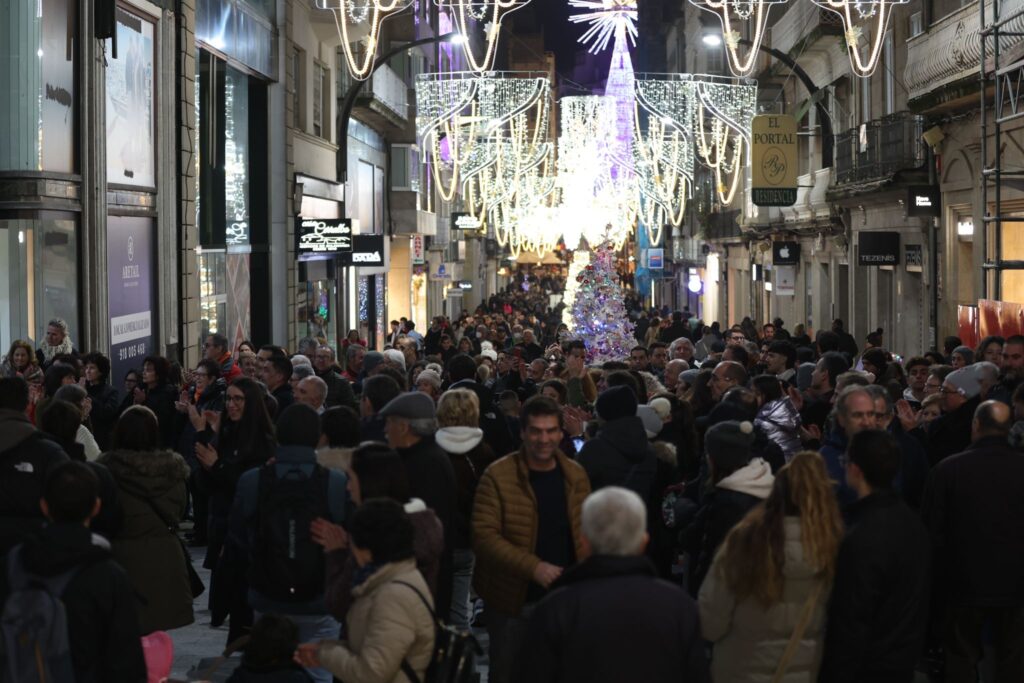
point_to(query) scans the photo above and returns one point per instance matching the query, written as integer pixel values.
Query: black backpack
(287, 565)
(35, 626)
(455, 652)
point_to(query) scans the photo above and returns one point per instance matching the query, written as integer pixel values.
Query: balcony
(383, 101)
(943, 61)
(811, 204)
(879, 149)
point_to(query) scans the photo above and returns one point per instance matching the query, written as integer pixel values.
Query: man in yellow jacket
(526, 529)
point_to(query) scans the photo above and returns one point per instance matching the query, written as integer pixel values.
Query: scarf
(49, 352)
(365, 572)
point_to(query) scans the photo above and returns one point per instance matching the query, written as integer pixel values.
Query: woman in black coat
(106, 403)
(206, 393)
(159, 395)
(235, 440)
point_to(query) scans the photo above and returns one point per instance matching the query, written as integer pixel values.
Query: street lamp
(712, 40)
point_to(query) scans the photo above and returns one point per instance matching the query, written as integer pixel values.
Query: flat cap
(412, 405)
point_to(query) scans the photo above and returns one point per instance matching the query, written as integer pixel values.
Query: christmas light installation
(733, 15)
(608, 19)
(492, 13)
(584, 165)
(877, 13)
(725, 109)
(349, 14)
(599, 315)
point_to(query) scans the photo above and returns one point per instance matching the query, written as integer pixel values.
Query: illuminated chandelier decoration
(461, 118)
(732, 14)
(491, 13)
(874, 12)
(360, 20)
(663, 149)
(725, 109)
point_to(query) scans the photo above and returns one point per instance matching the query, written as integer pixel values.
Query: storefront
(234, 66)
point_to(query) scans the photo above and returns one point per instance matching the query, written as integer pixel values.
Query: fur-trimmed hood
(146, 473)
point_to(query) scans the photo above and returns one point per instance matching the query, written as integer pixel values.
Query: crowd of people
(743, 504)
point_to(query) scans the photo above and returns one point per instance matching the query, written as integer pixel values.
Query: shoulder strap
(18, 577)
(173, 528)
(798, 632)
(407, 669)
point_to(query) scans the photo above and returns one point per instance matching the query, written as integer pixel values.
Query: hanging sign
(785, 253)
(924, 200)
(463, 221)
(785, 280)
(773, 160)
(656, 259)
(878, 248)
(318, 237)
(418, 250)
(367, 251)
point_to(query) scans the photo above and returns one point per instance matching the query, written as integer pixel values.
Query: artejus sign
(773, 160)
(320, 237)
(463, 221)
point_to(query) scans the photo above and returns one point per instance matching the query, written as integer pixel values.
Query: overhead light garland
(732, 15)
(349, 13)
(492, 13)
(879, 12)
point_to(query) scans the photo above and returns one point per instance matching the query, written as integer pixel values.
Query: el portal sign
(773, 153)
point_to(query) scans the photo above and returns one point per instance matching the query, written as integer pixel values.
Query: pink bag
(158, 649)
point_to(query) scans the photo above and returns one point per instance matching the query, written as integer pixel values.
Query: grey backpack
(35, 626)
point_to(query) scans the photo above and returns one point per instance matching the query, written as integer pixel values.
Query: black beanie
(616, 402)
(298, 425)
(728, 446)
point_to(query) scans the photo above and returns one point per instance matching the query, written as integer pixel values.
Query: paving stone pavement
(198, 640)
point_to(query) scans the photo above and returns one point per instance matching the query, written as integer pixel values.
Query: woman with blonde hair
(458, 416)
(763, 603)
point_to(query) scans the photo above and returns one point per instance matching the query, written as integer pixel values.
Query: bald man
(974, 510)
(313, 392)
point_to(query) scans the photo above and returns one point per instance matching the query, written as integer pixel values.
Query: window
(321, 100)
(299, 89)
(405, 168)
(715, 59)
(865, 99)
(915, 24)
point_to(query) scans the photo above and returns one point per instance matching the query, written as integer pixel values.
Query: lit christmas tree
(599, 315)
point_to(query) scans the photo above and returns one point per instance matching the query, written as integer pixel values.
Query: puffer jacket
(621, 456)
(781, 423)
(505, 528)
(470, 456)
(387, 623)
(151, 487)
(749, 640)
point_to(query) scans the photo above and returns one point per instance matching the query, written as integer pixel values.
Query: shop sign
(924, 200)
(785, 253)
(465, 284)
(785, 280)
(367, 250)
(418, 250)
(129, 291)
(463, 221)
(656, 259)
(878, 249)
(322, 236)
(773, 160)
(130, 129)
(913, 256)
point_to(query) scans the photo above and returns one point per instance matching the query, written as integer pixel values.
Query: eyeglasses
(235, 399)
(944, 390)
(200, 374)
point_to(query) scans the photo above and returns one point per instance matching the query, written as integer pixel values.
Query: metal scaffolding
(1006, 84)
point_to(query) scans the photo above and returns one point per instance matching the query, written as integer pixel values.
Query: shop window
(213, 292)
(321, 100)
(38, 276)
(299, 89)
(131, 126)
(38, 65)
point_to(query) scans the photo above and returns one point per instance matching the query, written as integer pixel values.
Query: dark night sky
(561, 36)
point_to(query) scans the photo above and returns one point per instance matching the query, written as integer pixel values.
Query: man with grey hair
(410, 423)
(339, 389)
(313, 392)
(854, 412)
(613, 603)
(682, 349)
(672, 371)
(913, 472)
(307, 347)
(299, 373)
(57, 343)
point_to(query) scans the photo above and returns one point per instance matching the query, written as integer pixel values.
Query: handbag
(798, 632)
(195, 581)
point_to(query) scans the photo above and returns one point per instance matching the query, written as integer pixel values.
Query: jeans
(964, 643)
(506, 635)
(314, 628)
(462, 579)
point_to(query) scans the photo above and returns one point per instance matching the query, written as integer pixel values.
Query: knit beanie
(728, 445)
(966, 352)
(965, 381)
(616, 402)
